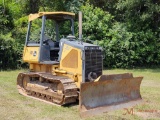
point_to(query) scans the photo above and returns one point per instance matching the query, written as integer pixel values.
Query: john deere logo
(34, 53)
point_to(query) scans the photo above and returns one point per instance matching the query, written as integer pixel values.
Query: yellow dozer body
(66, 70)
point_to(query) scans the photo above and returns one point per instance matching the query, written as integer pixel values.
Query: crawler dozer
(66, 70)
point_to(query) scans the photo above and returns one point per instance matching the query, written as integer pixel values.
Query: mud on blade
(109, 92)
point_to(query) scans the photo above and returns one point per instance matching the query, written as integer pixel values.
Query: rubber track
(69, 94)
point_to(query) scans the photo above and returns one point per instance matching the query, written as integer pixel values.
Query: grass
(14, 106)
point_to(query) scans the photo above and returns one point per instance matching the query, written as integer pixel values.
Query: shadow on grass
(71, 104)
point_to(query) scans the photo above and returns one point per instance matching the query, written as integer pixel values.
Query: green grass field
(14, 106)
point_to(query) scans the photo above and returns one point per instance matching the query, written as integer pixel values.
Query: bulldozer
(67, 70)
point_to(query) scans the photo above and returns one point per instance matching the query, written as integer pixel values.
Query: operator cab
(46, 32)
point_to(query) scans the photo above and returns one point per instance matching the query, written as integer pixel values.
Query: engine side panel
(72, 63)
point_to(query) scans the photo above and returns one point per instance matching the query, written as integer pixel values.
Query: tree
(96, 22)
(9, 48)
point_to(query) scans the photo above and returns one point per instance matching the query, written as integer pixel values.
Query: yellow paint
(37, 15)
(40, 67)
(70, 64)
(31, 67)
(31, 54)
(60, 71)
(74, 73)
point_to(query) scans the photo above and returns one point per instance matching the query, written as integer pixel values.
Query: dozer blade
(109, 92)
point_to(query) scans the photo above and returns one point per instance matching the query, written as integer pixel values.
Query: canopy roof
(52, 15)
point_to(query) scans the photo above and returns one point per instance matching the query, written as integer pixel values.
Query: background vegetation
(128, 30)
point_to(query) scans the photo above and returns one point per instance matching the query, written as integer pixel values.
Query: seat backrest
(57, 44)
(53, 45)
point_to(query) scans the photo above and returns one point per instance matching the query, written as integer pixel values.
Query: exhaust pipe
(80, 25)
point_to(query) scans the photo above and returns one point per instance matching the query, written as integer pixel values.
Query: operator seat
(53, 45)
(54, 50)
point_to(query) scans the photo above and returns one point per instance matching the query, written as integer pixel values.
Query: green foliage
(19, 32)
(6, 20)
(128, 49)
(142, 19)
(133, 39)
(10, 53)
(96, 23)
(73, 5)
(54, 5)
(117, 46)
(128, 30)
(10, 49)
